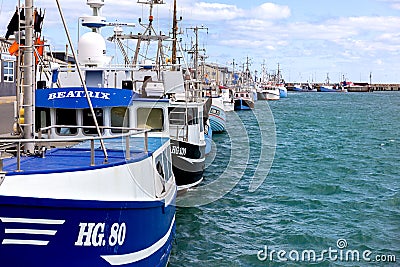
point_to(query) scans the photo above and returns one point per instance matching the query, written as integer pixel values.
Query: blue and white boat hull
(283, 92)
(61, 212)
(208, 132)
(330, 89)
(54, 232)
(242, 104)
(255, 97)
(217, 118)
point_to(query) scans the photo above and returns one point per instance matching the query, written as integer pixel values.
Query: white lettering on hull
(78, 94)
(180, 151)
(93, 234)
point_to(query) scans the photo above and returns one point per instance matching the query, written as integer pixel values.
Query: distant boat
(271, 86)
(327, 87)
(356, 87)
(304, 88)
(217, 115)
(271, 93)
(227, 98)
(282, 90)
(268, 92)
(243, 100)
(333, 89)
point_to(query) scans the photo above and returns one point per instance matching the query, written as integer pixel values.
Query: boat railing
(179, 132)
(47, 142)
(67, 67)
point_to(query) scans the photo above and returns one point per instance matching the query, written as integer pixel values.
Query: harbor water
(333, 188)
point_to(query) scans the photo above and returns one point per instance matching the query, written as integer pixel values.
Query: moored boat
(227, 99)
(333, 88)
(106, 195)
(243, 100)
(271, 93)
(304, 88)
(187, 109)
(336, 88)
(217, 115)
(282, 90)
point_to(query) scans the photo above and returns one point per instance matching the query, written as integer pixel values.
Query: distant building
(218, 75)
(7, 70)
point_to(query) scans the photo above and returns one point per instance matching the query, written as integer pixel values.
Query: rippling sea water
(335, 175)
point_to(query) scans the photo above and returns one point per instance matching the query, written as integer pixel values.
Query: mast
(96, 5)
(247, 71)
(196, 48)
(149, 32)
(28, 76)
(263, 79)
(174, 36)
(279, 75)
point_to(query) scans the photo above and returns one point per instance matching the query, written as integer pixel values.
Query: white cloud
(209, 11)
(268, 11)
(395, 4)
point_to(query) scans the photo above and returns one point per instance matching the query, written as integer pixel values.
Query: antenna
(195, 50)
(94, 22)
(149, 27)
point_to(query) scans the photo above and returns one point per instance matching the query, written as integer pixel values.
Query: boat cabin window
(66, 117)
(193, 117)
(88, 120)
(214, 111)
(150, 118)
(242, 95)
(177, 116)
(119, 118)
(42, 119)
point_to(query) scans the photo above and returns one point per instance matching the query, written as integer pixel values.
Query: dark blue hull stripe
(65, 233)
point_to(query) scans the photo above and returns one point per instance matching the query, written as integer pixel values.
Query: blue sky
(308, 38)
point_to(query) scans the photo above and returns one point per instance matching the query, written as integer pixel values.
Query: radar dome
(92, 49)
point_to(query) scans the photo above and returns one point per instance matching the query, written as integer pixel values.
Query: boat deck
(78, 157)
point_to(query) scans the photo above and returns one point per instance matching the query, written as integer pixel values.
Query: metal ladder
(181, 125)
(26, 73)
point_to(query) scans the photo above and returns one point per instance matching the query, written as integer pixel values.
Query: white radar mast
(92, 46)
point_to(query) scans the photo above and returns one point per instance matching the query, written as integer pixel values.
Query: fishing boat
(332, 88)
(282, 90)
(280, 84)
(271, 86)
(82, 185)
(355, 87)
(336, 88)
(245, 94)
(227, 98)
(243, 100)
(304, 88)
(166, 80)
(270, 93)
(217, 114)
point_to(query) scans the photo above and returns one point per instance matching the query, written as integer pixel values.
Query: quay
(7, 99)
(360, 87)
